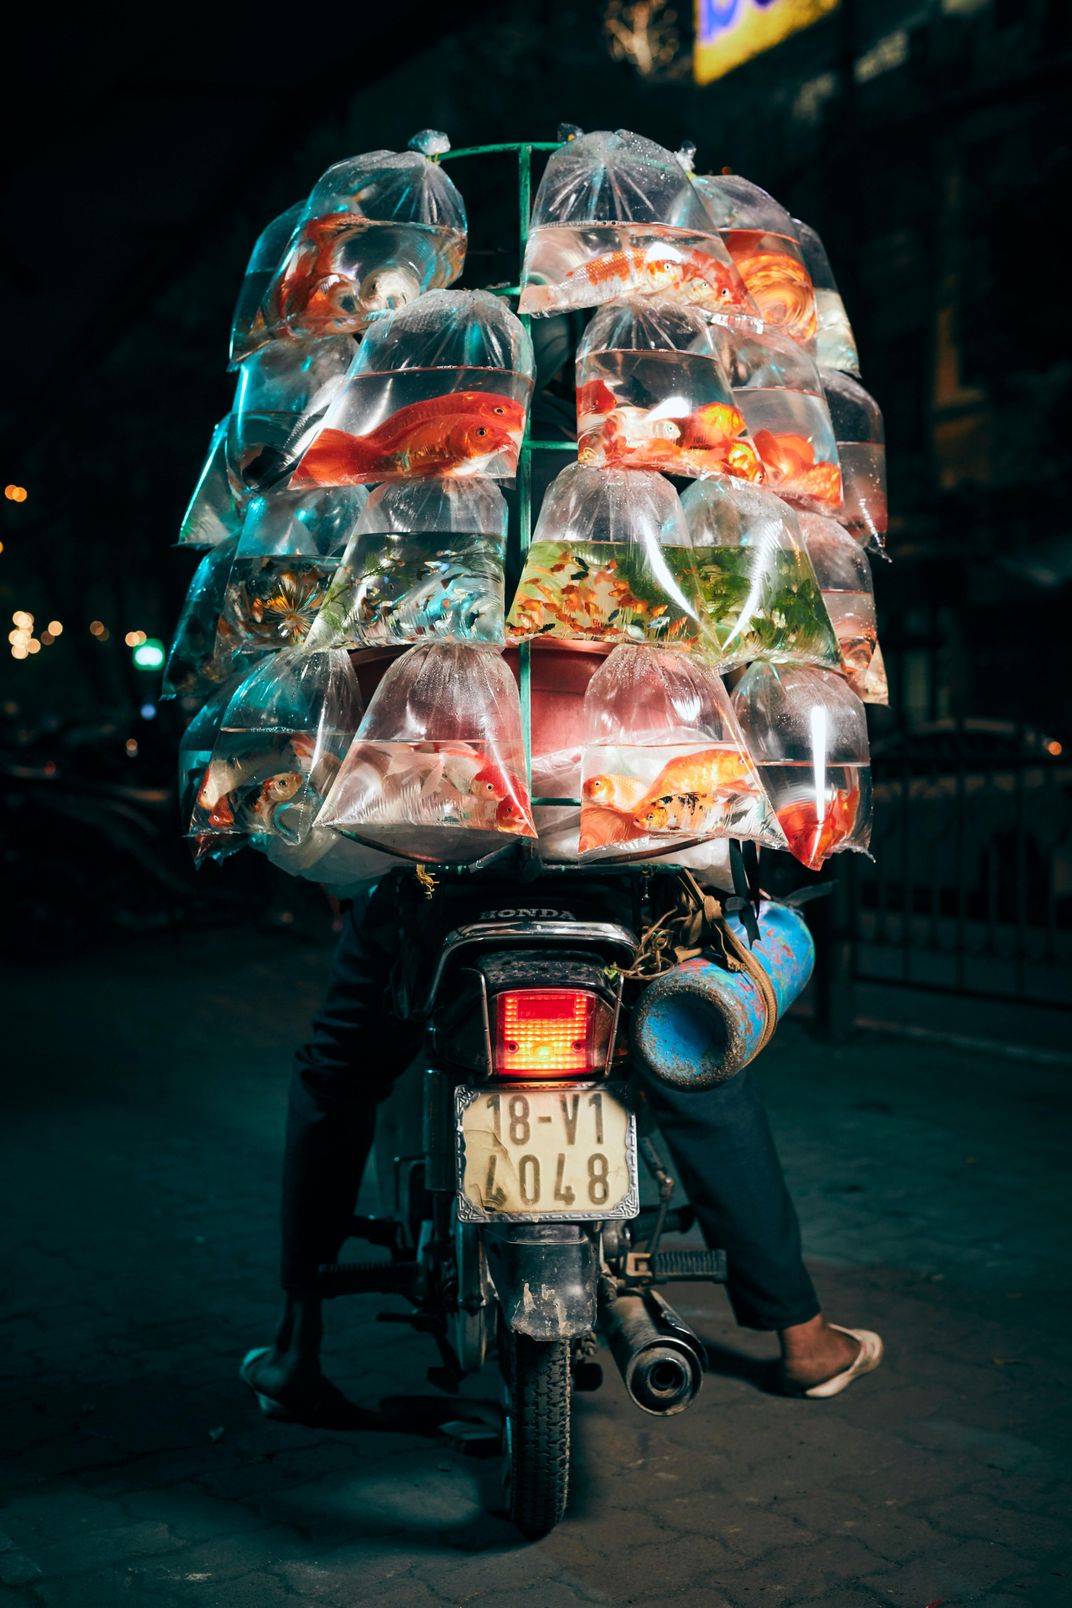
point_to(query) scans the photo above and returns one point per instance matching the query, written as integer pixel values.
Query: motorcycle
(517, 1231)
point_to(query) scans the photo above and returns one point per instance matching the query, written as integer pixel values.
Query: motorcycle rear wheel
(537, 1437)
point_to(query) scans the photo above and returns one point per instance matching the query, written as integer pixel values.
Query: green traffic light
(150, 654)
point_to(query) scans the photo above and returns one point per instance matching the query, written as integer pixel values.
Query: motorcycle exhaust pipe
(659, 1358)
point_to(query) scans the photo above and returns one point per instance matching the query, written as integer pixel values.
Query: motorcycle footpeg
(376, 1230)
(678, 1267)
(366, 1278)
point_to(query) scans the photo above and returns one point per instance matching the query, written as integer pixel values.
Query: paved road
(142, 1114)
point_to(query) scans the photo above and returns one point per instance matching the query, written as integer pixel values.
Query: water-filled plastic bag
(652, 393)
(440, 388)
(283, 390)
(194, 667)
(377, 232)
(616, 215)
(437, 769)
(664, 763)
(844, 574)
(760, 598)
(807, 732)
(249, 330)
(609, 562)
(425, 561)
(778, 389)
(278, 748)
(861, 445)
(216, 509)
(835, 344)
(759, 235)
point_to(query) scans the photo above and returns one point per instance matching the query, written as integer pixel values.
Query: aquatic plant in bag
(437, 769)
(760, 598)
(377, 231)
(758, 233)
(778, 389)
(861, 445)
(609, 562)
(652, 394)
(425, 560)
(440, 388)
(616, 215)
(195, 662)
(278, 748)
(283, 391)
(844, 574)
(287, 556)
(807, 732)
(216, 510)
(834, 345)
(249, 330)
(664, 764)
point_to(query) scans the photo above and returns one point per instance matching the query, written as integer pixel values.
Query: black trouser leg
(725, 1157)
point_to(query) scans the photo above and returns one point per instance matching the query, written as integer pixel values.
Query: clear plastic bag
(861, 445)
(194, 663)
(283, 390)
(425, 560)
(609, 562)
(278, 747)
(844, 575)
(440, 388)
(216, 511)
(652, 394)
(807, 732)
(249, 330)
(835, 344)
(758, 234)
(664, 763)
(778, 389)
(872, 686)
(377, 232)
(286, 559)
(616, 215)
(195, 753)
(437, 770)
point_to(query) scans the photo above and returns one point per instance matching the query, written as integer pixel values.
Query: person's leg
(725, 1156)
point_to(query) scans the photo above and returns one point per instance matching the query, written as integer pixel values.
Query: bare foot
(813, 1352)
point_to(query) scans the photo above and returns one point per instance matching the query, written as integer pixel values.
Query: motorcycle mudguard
(545, 1278)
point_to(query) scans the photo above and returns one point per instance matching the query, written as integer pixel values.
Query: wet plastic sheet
(835, 344)
(425, 561)
(759, 593)
(609, 562)
(440, 388)
(844, 574)
(861, 445)
(249, 330)
(216, 511)
(652, 393)
(377, 231)
(194, 666)
(664, 762)
(437, 770)
(283, 391)
(616, 215)
(278, 748)
(778, 389)
(759, 235)
(807, 732)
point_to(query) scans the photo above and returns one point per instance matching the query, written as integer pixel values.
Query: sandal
(328, 1408)
(866, 1360)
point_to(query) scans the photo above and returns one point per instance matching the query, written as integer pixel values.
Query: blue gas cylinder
(698, 1024)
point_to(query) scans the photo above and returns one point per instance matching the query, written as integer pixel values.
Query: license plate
(528, 1152)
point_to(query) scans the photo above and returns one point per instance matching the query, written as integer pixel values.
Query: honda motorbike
(517, 1231)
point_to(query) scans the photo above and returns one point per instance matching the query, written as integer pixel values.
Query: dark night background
(928, 141)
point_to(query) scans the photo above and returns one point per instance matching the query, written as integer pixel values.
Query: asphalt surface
(143, 1100)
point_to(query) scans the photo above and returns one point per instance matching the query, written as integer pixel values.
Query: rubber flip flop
(867, 1359)
(328, 1409)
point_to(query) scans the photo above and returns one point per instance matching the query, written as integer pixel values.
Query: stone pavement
(140, 1149)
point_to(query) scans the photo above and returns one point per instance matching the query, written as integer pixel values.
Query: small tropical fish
(614, 792)
(812, 841)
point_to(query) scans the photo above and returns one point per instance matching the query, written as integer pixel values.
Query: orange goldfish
(492, 785)
(692, 274)
(425, 438)
(812, 841)
(621, 793)
(595, 396)
(278, 789)
(790, 461)
(685, 789)
(600, 827)
(309, 291)
(776, 279)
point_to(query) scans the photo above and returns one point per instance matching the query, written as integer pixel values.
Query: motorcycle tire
(537, 1438)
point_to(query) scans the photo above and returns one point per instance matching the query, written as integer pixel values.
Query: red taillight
(550, 1033)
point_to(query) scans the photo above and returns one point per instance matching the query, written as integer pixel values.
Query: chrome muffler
(659, 1358)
